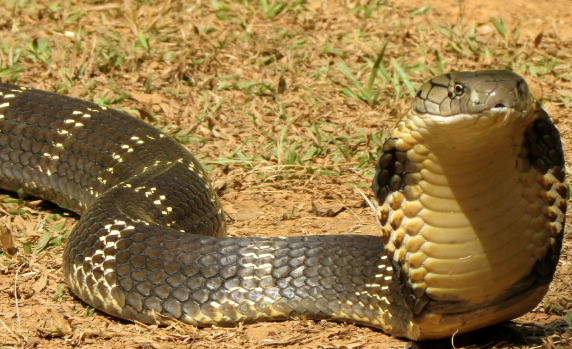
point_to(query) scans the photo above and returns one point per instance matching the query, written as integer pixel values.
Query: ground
(274, 98)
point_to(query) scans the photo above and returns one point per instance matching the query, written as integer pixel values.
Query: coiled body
(151, 235)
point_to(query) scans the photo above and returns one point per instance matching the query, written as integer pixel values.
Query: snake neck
(470, 225)
(463, 164)
(471, 203)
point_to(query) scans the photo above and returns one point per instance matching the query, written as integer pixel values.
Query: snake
(469, 194)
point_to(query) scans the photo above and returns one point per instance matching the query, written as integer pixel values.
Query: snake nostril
(500, 105)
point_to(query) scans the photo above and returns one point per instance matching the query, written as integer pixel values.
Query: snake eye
(459, 89)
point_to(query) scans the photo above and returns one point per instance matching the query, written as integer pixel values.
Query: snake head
(470, 95)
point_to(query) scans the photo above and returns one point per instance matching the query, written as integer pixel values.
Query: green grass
(241, 71)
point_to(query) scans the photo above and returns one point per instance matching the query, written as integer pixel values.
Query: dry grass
(283, 104)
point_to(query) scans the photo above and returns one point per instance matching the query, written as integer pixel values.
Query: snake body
(470, 199)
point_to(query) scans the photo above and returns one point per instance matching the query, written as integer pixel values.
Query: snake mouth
(503, 115)
(465, 125)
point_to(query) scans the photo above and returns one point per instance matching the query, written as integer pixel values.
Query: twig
(453, 339)
(16, 296)
(10, 331)
(371, 205)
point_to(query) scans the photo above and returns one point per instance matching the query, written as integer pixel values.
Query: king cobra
(470, 197)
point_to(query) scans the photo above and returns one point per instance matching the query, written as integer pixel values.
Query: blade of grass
(500, 26)
(281, 142)
(439, 62)
(404, 78)
(375, 69)
(343, 68)
(420, 10)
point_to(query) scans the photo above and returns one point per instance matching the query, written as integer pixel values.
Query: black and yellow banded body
(151, 233)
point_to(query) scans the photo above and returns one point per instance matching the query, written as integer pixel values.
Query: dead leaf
(538, 39)
(130, 17)
(217, 132)
(145, 115)
(566, 93)
(41, 282)
(244, 216)
(282, 84)
(62, 324)
(219, 187)
(535, 89)
(315, 6)
(228, 208)
(327, 211)
(287, 341)
(33, 204)
(348, 346)
(146, 98)
(165, 107)
(6, 239)
(9, 313)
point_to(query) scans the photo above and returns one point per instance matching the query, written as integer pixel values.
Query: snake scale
(470, 198)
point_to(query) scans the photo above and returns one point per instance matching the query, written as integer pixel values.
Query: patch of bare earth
(180, 74)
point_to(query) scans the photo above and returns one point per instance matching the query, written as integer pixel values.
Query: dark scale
(389, 172)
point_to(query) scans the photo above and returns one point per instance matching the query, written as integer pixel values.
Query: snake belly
(470, 198)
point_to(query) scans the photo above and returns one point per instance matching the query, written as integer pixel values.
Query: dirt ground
(244, 87)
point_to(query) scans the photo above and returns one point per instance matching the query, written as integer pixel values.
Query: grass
(275, 93)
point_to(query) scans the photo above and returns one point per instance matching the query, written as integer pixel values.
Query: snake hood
(471, 201)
